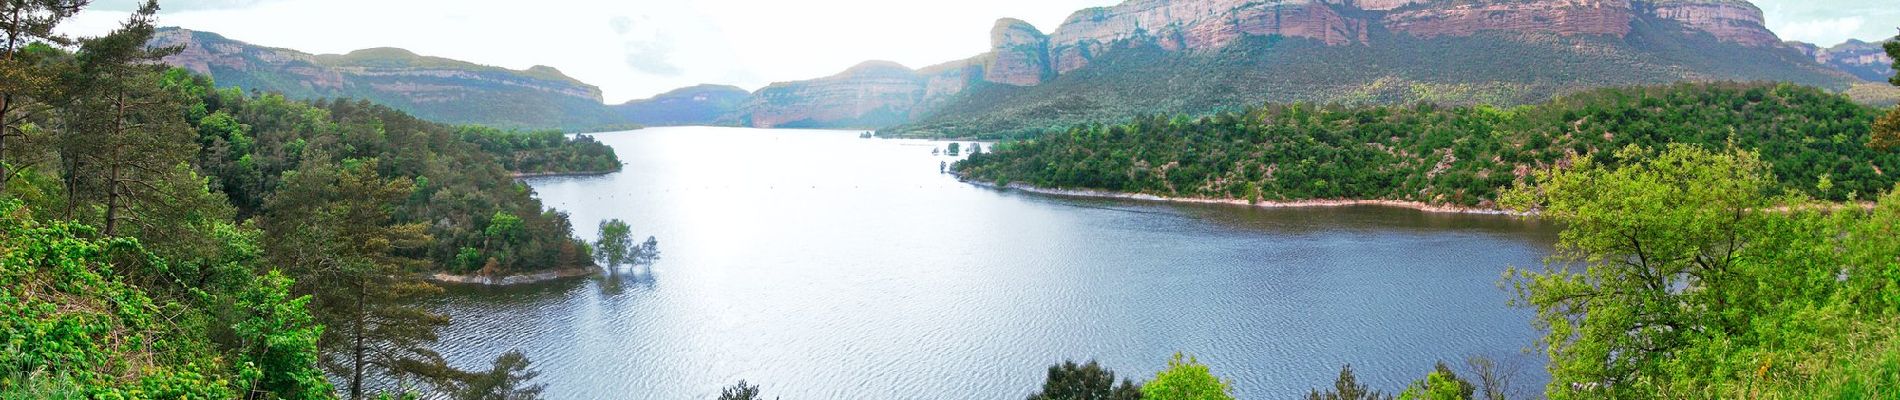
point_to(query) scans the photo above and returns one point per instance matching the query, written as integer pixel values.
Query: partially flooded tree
(615, 246)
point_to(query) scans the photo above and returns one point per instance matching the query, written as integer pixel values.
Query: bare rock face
(200, 52)
(1383, 5)
(1729, 20)
(1562, 17)
(868, 95)
(1195, 25)
(1019, 54)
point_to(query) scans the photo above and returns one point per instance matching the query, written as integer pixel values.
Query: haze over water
(823, 266)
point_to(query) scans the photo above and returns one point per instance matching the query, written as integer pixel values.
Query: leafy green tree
(1347, 387)
(1678, 274)
(1186, 380)
(1440, 384)
(277, 339)
(507, 379)
(1069, 381)
(615, 246)
(953, 149)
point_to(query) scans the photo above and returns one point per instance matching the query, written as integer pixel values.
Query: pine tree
(22, 78)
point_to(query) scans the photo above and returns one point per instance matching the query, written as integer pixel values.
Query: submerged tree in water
(615, 246)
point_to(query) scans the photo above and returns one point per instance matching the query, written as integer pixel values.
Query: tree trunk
(114, 181)
(356, 381)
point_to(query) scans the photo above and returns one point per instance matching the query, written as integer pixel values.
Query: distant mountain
(1864, 60)
(1197, 56)
(695, 105)
(432, 88)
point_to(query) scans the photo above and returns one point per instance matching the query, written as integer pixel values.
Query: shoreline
(1104, 194)
(525, 175)
(512, 280)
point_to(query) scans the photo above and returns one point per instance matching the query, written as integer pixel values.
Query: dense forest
(1815, 141)
(161, 238)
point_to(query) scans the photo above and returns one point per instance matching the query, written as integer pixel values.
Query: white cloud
(1829, 22)
(631, 48)
(1824, 31)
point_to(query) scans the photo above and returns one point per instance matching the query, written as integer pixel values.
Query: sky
(637, 48)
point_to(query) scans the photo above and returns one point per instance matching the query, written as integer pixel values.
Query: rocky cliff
(1019, 54)
(1561, 17)
(433, 88)
(1730, 20)
(1868, 61)
(871, 94)
(1593, 43)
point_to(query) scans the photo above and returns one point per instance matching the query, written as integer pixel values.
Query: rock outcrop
(1561, 17)
(1019, 54)
(872, 94)
(1195, 25)
(1730, 20)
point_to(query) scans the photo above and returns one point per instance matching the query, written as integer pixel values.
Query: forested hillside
(1816, 143)
(161, 238)
(433, 88)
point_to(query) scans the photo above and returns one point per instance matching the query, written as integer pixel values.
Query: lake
(819, 265)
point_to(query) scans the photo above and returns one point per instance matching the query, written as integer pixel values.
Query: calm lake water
(823, 266)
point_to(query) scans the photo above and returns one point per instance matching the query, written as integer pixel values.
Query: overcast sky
(637, 48)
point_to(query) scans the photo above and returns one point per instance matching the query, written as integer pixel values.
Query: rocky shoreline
(511, 280)
(1411, 205)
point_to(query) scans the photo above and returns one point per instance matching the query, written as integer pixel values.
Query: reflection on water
(820, 265)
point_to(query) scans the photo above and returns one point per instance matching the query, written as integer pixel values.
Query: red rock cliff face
(1195, 24)
(864, 96)
(1729, 20)
(1019, 54)
(1563, 17)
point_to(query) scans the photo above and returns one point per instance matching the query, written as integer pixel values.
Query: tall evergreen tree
(22, 78)
(127, 133)
(334, 230)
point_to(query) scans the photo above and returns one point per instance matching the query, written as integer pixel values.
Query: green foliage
(251, 146)
(542, 152)
(277, 339)
(72, 328)
(1682, 274)
(615, 247)
(1186, 380)
(1447, 155)
(1440, 384)
(1069, 381)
